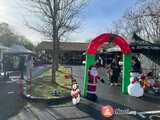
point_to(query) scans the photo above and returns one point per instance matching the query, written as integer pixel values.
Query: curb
(92, 104)
(152, 97)
(47, 100)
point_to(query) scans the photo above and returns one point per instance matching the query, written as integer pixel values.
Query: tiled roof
(67, 46)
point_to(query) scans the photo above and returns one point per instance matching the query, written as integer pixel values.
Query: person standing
(134, 88)
(115, 72)
(29, 65)
(22, 66)
(100, 60)
(136, 67)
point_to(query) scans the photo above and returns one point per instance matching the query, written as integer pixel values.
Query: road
(10, 102)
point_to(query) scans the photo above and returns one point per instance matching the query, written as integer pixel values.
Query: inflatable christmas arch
(91, 52)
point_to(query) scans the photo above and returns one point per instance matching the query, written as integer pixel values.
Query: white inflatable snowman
(134, 88)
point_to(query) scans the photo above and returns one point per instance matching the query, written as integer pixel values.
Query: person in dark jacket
(115, 72)
(136, 67)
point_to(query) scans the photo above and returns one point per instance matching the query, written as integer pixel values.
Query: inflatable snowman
(75, 93)
(134, 88)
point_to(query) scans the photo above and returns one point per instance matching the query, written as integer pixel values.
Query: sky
(96, 17)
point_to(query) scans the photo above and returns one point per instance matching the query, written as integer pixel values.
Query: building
(70, 52)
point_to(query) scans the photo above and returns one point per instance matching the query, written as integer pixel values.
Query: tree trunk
(54, 39)
(53, 61)
(57, 53)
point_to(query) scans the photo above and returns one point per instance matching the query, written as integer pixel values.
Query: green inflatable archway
(91, 52)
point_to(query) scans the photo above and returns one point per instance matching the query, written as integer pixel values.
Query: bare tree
(144, 19)
(55, 18)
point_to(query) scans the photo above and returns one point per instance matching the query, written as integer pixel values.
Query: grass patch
(43, 87)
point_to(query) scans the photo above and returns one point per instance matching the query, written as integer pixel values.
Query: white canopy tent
(18, 49)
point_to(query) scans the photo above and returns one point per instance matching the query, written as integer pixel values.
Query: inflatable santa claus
(92, 80)
(134, 88)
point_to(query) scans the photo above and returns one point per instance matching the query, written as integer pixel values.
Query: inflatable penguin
(75, 93)
(134, 88)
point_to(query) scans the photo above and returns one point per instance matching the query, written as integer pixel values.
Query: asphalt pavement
(113, 96)
(10, 102)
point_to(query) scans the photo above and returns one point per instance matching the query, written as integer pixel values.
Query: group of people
(93, 76)
(42, 59)
(138, 81)
(113, 69)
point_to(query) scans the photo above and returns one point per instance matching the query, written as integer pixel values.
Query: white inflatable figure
(94, 71)
(134, 88)
(75, 93)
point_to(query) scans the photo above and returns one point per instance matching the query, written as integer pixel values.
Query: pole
(20, 87)
(90, 60)
(126, 72)
(30, 83)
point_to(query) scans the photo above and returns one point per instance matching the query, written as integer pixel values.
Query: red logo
(107, 111)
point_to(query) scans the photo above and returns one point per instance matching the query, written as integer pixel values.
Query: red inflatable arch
(108, 37)
(91, 53)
